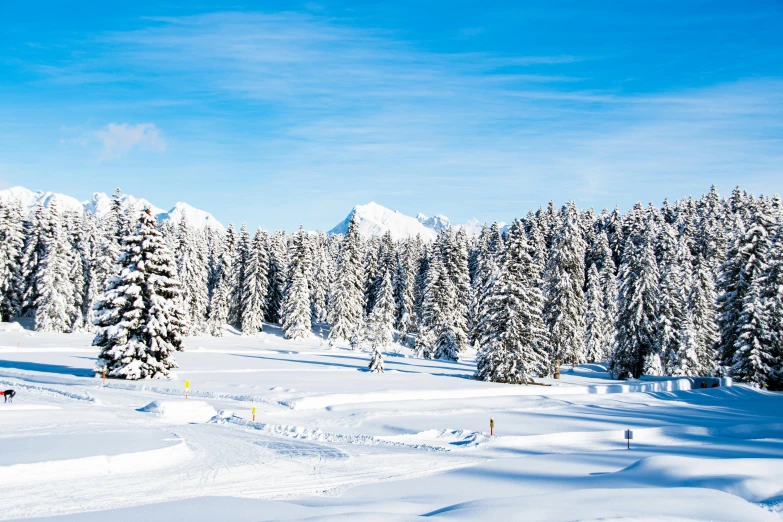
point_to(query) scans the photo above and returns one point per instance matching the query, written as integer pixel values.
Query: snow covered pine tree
(380, 324)
(138, 316)
(515, 346)
(346, 313)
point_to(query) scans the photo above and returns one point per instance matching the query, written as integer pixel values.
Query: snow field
(96, 466)
(332, 441)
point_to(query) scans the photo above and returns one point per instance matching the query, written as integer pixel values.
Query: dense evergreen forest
(694, 287)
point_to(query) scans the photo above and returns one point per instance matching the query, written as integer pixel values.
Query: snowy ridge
(100, 205)
(375, 220)
(437, 222)
(30, 200)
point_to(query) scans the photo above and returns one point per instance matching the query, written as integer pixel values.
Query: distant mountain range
(374, 220)
(100, 205)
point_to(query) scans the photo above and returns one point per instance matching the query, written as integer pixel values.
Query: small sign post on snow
(491, 427)
(254, 413)
(187, 388)
(628, 437)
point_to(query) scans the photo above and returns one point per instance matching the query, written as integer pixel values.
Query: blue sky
(280, 114)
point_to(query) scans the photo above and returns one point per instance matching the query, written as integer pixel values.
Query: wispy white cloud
(118, 139)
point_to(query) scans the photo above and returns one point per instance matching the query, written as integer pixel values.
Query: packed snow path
(332, 440)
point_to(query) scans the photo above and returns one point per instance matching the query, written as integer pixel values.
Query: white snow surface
(332, 441)
(100, 205)
(181, 411)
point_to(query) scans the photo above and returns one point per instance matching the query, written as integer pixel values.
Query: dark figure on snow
(8, 395)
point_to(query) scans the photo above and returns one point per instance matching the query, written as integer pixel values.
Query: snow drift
(184, 411)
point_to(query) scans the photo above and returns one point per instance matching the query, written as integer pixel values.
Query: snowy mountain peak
(374, 220)
(194, 217)
(437, 222)
(30, 199)
(472, 227)
(100, 205)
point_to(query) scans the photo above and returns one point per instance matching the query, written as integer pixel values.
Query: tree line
(693, 287)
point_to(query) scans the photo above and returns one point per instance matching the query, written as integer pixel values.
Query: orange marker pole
(104, 377)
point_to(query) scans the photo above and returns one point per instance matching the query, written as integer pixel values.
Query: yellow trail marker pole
(491, 427)
(187, 388)
(254, 413)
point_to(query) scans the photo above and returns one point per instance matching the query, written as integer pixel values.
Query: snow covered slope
(30, 199)
(474, 226)
(195, 217)
(375, 220)
(100, 205)
(437, 222)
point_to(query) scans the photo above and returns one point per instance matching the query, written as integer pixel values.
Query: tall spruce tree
(514, 347)
(296, 301)
(276, 275)
(379, 332)
(238, 271)
(404, 286)
(753, 361)
(139, 318)
(456, 255)
(565, 278)
(598, 323)
(256, 285)
(702, 328)
(55, 309)
(220, 301)
(11, 244)
(637, 335)
(746, 260)
(773, 307)
(102, 255)
(346, 313)
(322, 278)
(296, 306)
(37, 229)
(193, 271)
(431, 312)
(675, 281)
(608, 277)
(489, 257)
